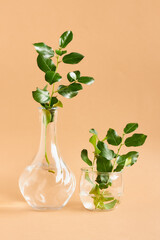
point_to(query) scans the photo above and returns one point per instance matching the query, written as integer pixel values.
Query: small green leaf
(54, 100)
(45, 64)
(95, 190)
(73, 76)
(65, 39)
(103, 165)
(130, 127)
(46, 117)
(52, 77)
(60, 53)
(113, 138)
(86, 80)
(41, 96)
(110, 205)
(87, 177)
(105, 152)
(45, 88)
(135, 140)
(93, 141)
(44, 50)
(58, 104)
(69, 91)
(93, 131)
(84, 156)
(72, 58)
(126, 160)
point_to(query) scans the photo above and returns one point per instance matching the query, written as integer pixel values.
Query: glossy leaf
(65, 39)
(52, 77)
(44, 50)
(105, 152)
(86, 80)
(69, 91)
(60, 53)
(93, 141)
(130, 127)
(72, 58)
(73, 76)
(93, 131)
(135, 140)
(113, 138)
(126, 160)
(45, 64)
(84, 156)
(103, 165)
(41, 96)
(110, 205)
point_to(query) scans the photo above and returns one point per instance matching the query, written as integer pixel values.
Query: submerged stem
(46, 146)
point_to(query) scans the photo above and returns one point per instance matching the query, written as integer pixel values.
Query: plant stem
(46, 146)
(118, 152)
(53, 83)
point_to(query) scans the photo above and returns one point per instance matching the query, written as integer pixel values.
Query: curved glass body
(100, 191)
(47, 183)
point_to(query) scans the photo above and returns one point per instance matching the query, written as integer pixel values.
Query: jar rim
(89, 170)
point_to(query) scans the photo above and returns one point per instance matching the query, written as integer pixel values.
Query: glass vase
(47, 183)
(100, 191)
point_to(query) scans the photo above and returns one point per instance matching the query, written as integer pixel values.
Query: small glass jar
(100, 190)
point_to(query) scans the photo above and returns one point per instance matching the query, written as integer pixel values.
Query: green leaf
(54, 100)
(110, 205)
(105, 152)
(84, 156)
(93, 131)
(45, 64)
(69, 91)
(95, 190)
(58, 104)
(52, 77)
(103, 165)
(130, 127)
(44, 50)
(41, 96)
(65, 39)
(135, 140)
(93, 141)
(72, 58)
(102, 178)
(73, 76)
(46, 117)
(45, 88)
(113, 138)
(87, 177)
(126, 160)
(60, 53)
(86, 80)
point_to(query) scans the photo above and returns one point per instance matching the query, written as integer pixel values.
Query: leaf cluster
(50, 68)
(106, 159)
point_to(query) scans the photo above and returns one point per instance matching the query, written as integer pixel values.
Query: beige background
(121, 44)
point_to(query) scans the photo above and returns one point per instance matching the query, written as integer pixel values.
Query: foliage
(105, 160)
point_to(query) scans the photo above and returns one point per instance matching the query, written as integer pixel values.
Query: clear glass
(47, 183)
(100, 191)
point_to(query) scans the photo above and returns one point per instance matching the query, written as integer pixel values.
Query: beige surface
(121, 42)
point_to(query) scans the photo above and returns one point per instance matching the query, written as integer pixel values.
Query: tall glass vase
(47, 183)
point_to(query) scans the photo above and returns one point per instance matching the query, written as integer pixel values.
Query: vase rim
(89, 170)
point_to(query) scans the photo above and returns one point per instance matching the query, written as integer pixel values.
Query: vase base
(48, 208)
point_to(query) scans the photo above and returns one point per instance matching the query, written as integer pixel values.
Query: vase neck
(48, 141)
